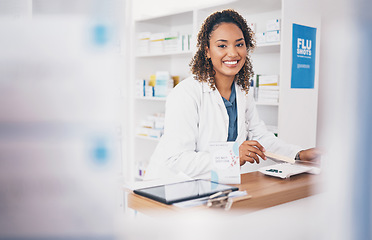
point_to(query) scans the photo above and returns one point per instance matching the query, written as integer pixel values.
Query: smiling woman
(215, 105)
(227, 52)
(217, 32)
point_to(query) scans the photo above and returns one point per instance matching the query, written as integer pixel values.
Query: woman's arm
(258, 131)
(177, 148)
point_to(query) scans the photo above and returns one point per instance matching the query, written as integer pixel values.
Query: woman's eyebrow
(223, 40)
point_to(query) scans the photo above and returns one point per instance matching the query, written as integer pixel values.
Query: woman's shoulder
(188, 86)
(189, 82)
(187, 90)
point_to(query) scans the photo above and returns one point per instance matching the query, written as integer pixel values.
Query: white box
(140, 88)
(225, 162)
(157, 43)
(260, 38)
(273, 36)
(185, 42)
(171, 41)
(149, 91)
(141, 131)
(158, 121)
(273, 25)
(268, 79)
(159, 124)
(147, 123)
(144, 42)
(155, 133)
(252, 26)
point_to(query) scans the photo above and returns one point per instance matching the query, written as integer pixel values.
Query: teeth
(231, 62)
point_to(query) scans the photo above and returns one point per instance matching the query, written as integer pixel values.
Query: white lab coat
(196, 115)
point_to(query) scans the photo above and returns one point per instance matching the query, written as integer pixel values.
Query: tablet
(177, 192)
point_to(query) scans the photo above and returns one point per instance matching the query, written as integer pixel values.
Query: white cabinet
(267, 59)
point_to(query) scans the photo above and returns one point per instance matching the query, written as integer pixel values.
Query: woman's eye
(222, 46)
(240, 45)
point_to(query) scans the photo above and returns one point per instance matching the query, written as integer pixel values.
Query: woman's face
(227, 50)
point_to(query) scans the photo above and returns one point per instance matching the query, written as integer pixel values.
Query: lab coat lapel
(240, 98)
(217, 96)
(221, 105)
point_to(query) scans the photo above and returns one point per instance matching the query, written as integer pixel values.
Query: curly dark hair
(201, 65)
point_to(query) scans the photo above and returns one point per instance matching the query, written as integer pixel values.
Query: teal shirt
(233, 114)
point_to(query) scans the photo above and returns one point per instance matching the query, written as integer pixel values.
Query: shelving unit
(146, 64)
(267, 60)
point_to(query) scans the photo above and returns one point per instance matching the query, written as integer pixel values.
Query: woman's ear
(207, 52)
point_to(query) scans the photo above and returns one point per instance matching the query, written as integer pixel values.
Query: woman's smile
(230, 63)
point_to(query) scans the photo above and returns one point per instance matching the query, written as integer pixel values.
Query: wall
(298, 108)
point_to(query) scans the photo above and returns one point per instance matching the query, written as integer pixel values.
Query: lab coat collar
(240, 103)
(217, 96)
(206, 87)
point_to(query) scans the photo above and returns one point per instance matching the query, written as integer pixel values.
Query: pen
(219, 193)
(230, 201)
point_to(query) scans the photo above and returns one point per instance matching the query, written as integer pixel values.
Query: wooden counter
(266, 192)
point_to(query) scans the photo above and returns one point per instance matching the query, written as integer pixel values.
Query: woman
(216, 105)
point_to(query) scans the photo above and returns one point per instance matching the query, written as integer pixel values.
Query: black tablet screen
(176, 192)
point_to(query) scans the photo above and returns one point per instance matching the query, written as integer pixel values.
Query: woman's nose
(232, 52)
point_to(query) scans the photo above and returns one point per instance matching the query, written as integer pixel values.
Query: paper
(285, 170)
(225, 158)
(277, 157)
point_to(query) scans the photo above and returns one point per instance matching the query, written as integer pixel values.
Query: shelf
(251, 6)
(139, 178)
(267, 48)
(156, 99)
(263, 45)
(267, 103)
(176, 18)
(165, 54)
(148, 138)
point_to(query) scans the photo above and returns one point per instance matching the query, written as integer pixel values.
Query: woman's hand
(249, 152)
(311, 154)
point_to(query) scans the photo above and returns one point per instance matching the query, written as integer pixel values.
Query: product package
(226, 164)
(273, 25)
(273, 36)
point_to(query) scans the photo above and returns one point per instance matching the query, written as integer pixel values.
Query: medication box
(226, 164)
(273, 25)
(260, 38)
(273, 36)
